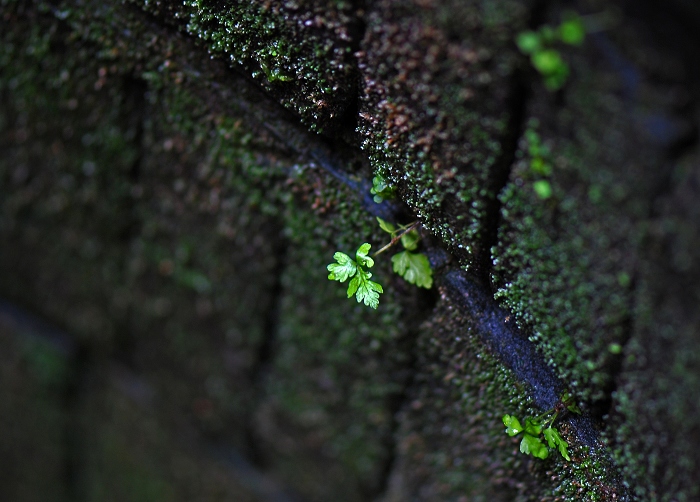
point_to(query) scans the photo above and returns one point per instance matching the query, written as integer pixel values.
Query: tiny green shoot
(414, 267)
(543, 189)
(540, 161)
(274, 74)
(361, 286)
(538, 433)
(545, 58)
(381, 189)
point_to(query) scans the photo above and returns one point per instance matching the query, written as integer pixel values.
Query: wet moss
(564, 264)
(433, 119)
(653, 428)
(570, 266)
(300, 53)
(216, 212)
(451, 444)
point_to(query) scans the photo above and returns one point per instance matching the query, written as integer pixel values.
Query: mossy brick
(193, 194)
(568, 265)
(131, 450)
(451, 443)
(439, 114)
(35, 375)
(565, 264)
(299, 52)
(326, 413)
(202, 269)
(68, 143)
(653, 429)
(437, 101)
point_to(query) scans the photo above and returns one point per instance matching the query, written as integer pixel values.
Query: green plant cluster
(413, 267)
(535, 428)
(381, 189)
(360, 285)
(545, 58)
(540, 163)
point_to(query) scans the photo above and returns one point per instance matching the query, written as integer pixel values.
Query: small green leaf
(563, 450)
(414, 268)
(273, 75)
(556, 80)
(541, 166)
(543, 189)
(362, 256)
(354, 285)
(361, 286)
(573, 408)
(571, 405)
(512, 424)
(532, 445)
(548, 62)
(343, 269)
(554, 439)
(381, 189)
(533, 427)
(386, 226)
(533, 139)
(552, 436)
(572, 31)
(365, 290)
(378, 184)
(528, 42)
(409, 240)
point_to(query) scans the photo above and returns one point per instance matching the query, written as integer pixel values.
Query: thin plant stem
(397, 238)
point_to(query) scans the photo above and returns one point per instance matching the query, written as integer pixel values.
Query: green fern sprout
(345, 268)
(413, 267)
(535, 428)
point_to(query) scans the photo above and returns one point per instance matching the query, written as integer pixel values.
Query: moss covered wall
(176, 176)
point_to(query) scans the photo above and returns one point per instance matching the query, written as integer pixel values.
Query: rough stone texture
(436, 110)
(131, 450)
(166, 200)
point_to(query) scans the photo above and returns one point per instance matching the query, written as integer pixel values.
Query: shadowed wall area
(175, 178)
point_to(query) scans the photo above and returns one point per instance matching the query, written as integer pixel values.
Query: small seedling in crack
(540, 161)
(534, 429)
(360, 285)
(412, 266)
